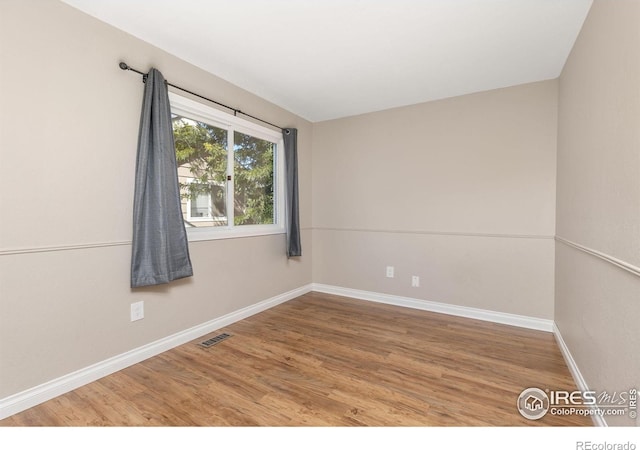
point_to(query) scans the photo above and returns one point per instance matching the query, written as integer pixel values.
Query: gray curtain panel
(160, 251)
(290, 136)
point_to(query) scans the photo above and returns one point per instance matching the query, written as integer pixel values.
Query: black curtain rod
(125, 66)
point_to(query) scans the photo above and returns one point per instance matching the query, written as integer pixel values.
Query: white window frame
(203, 113)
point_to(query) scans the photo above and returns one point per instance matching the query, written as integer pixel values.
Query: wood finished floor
(324, 360)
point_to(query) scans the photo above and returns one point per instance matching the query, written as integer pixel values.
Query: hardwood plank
(324, 360)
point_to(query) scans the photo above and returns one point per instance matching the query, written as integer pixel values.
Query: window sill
(215, 233)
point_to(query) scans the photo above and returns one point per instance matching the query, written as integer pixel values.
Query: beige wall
(460, 192)
(597, 303)
(69, 119)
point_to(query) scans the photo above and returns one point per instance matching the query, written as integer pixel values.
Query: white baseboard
(533, 323)
(51, 389)
(575, 373)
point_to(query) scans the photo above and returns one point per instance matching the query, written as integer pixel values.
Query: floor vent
(214, 340)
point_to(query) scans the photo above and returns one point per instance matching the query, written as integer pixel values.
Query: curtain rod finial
(124, 66)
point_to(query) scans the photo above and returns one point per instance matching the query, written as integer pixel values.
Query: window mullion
(230, 178)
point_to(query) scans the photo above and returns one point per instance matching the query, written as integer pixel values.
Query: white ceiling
(324, 59)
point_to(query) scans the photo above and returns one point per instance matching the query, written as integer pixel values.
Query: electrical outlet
(415, 281)
(390, 273)
(137, 311)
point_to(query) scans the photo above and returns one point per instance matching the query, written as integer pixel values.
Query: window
(230, 172)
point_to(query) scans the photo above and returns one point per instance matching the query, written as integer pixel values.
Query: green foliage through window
(202, 156)
(253, 172)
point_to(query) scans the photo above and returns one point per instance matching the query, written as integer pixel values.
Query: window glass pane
(253, 180)
(201, 154)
